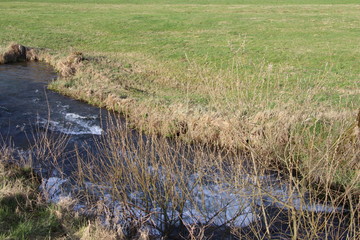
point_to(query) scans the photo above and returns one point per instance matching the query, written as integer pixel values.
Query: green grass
(22, 215)
(26, 223)
(308, 44)
(201, 2)
(25, 214)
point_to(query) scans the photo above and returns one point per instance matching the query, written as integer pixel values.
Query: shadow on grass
(22, 218)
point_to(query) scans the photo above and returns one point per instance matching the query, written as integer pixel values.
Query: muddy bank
(18, 53)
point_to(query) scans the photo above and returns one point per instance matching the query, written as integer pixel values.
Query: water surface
(26, 105)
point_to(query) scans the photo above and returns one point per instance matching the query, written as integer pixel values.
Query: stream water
(26, 104)
(28, 109)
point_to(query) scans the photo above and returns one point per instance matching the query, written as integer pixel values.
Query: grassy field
(277, 79)
(267, 51)
(235, 74)
(248, 56)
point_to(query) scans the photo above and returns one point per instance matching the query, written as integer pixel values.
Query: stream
(28, 111)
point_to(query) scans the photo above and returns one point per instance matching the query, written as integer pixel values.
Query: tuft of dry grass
(68, 66)
(94, 231)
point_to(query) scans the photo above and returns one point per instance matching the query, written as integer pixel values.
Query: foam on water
(217, 204)
(85, 122)
(73, 124)
(53, 189)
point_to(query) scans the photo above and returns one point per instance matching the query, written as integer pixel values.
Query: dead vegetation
(68, 66)
(150, 187)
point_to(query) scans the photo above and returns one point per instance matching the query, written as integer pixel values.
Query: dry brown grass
(140, 184)
(154, 181)
(95, 231)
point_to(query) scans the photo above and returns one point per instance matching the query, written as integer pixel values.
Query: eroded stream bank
(159, 187)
